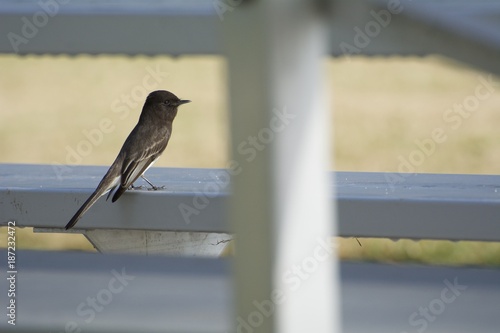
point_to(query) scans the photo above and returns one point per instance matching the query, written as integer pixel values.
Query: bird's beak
(183, 101)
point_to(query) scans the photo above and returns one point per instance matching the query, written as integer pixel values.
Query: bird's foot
(153, 188)
(140, 187)
(156, 188)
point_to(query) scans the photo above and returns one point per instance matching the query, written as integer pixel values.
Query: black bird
(143, 146)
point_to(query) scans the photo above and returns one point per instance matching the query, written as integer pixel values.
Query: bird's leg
(155, 188)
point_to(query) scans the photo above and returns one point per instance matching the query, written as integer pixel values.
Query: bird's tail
(90, 201)
(108, 183)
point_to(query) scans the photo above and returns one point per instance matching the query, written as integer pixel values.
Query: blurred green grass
(380, 106)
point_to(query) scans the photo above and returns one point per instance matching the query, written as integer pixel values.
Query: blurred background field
(380, 107)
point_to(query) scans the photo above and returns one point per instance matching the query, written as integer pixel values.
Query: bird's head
(164, 103)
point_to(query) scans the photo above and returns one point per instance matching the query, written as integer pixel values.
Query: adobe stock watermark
(223, 6)
(120, 110)
(372, 29)
(293, 278)
(248, 149)
(453, 118)
(32, 25)
(425, 315)
(89, 308)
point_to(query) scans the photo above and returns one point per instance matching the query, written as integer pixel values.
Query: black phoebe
(143, 146)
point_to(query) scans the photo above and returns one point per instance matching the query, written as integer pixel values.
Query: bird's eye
(167, 102)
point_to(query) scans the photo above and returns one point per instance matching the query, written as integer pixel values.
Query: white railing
(424, 206)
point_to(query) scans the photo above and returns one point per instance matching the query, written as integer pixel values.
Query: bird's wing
(135, 166)
(135, 169)
(137, 161)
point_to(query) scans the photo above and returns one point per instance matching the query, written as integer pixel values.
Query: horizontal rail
(116, 27)
(463, 30)
(430, 206)
(194, 295)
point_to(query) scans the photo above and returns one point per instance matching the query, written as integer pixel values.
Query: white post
(285, 268)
